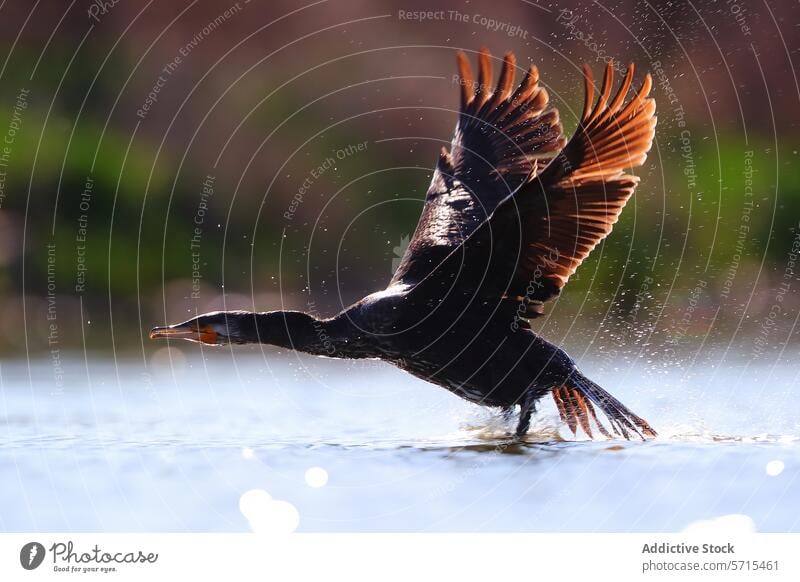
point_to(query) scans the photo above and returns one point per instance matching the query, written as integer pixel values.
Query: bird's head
(215, 329)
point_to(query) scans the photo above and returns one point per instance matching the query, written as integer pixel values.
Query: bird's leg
(527, 408)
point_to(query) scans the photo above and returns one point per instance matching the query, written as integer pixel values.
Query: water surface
(177, 442)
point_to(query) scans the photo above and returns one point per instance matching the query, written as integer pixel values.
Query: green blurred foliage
(147, 174)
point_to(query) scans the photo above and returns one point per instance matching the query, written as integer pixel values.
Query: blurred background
(173, 157)
(160, 159)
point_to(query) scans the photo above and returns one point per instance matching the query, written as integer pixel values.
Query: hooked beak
(204, 335)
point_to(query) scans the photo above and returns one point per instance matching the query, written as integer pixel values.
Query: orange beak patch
(204, 335)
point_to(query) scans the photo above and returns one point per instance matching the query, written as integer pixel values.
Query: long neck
(293, 330)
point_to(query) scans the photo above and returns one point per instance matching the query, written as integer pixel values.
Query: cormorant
(512, 210)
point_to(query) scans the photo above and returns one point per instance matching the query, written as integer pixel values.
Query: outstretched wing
(577, 199)
(536, 238)
(502, 138)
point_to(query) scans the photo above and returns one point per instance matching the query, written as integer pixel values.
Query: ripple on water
(179, 457)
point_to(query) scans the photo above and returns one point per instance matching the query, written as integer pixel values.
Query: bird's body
(506, 222)
(471, 348)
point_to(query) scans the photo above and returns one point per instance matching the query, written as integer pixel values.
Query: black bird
(512, 210)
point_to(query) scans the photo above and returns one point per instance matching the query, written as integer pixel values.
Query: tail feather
(599, 424)
(574, 402)
(574, 409)
(565, 409)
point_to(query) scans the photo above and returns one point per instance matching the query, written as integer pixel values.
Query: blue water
(175, 443)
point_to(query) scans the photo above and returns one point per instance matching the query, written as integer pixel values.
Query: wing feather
(503, 137)
(537, 237)
(577, 199)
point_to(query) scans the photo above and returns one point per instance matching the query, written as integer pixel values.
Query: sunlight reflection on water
(175, 445)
